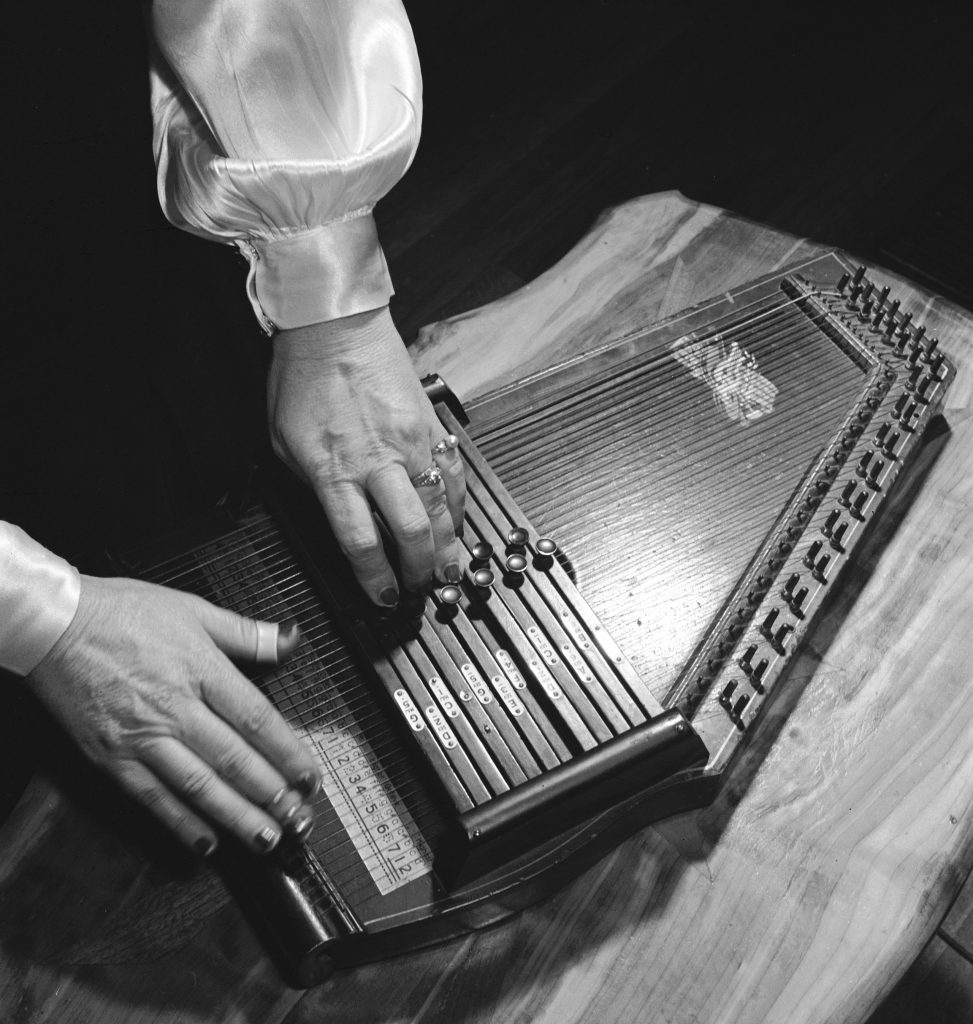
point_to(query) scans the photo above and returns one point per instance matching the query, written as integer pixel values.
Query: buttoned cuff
(39, 595)
(325, 273)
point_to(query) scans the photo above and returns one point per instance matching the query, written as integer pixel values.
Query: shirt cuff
(325, 273)
(39, 595)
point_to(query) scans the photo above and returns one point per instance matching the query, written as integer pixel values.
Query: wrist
(370, 330)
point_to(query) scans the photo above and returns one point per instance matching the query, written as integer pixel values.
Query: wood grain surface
(803, 895)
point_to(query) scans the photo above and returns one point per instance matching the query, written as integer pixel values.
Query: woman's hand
(142, 680)
(349, 416)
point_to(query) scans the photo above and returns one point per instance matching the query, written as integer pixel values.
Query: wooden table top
(801, 895)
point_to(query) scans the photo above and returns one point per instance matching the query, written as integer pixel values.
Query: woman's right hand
(142, 680)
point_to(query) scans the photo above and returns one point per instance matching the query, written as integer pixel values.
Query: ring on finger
(447, 444)
(432, 476)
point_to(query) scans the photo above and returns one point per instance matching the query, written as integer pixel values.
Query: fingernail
(452, 573)
(389, 597)
(204, 846)
(266, 839)
(277, 797)
(288, 637)
(301, 826)
(308, 784)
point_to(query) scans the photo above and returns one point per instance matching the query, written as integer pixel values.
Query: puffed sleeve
(278, 124)
(38, 598)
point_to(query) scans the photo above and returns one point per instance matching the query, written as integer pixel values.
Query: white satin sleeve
(38, 598)
(278, 124)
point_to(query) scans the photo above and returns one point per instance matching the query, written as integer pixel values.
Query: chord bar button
(482, 552)
(516, 563)
(450, 594)
(518, 537)
(483, 578)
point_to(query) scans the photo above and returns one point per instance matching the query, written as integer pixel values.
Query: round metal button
(450, 594)
(545, 546)
(482, 551)
(483, 578)
(516, 563)
(518, 537)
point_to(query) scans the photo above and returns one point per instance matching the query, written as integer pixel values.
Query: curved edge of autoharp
(503, 828)
(300, 912)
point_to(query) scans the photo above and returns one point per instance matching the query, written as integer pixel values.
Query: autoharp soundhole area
(664, 476)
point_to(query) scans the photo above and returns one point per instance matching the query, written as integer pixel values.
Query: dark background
(132, 368)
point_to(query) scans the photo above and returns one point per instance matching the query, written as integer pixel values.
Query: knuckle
(234, 764)
(196, 783)
(454, 468)
(437, 504)
(360, 547)
(258, 720)
(413, 530)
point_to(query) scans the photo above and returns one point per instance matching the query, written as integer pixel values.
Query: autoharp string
(623, 383)
(738, 321)
(598, 430)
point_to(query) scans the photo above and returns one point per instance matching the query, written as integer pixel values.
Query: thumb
(243, 639)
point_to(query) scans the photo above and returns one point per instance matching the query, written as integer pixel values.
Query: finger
(195, 782)
(142, 784)
(247, 711)
(264, 643)
(354, 528)
(450, 464)
(409, 523)
(247, 771)
(446, 550)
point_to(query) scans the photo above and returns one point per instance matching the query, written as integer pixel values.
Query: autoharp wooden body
(651, 531)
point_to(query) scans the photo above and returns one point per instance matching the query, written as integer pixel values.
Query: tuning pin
(845, 497)
(858, 507)
(891, 442)
(770, 620)
(821, 568)
(842, 283)
(859, 274)
(874, 473)
(815, 549)
(838, 536)
(910, 384)
(925, 386)
(862, 468)
(904, 325)
(799, 598)
(788, 588)
(747, 657)
(756, 677)
(781, 635)
(880, 435)
(906, 418)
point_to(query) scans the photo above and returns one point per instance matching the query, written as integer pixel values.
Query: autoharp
(651, 530)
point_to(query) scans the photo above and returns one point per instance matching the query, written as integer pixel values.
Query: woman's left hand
(349, 416)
